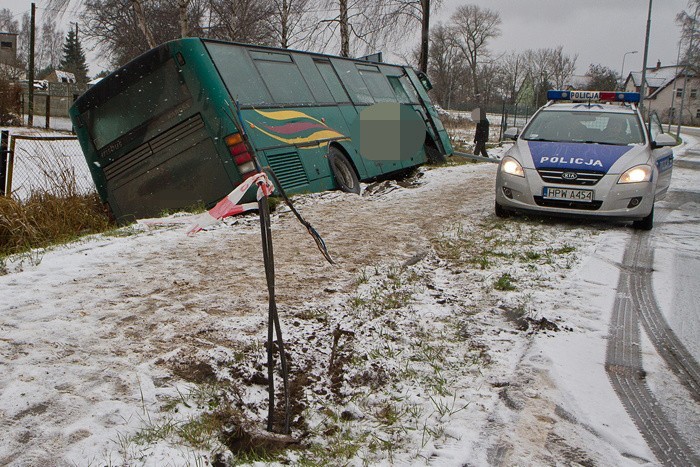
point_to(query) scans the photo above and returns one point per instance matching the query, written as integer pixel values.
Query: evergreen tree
(74, 58)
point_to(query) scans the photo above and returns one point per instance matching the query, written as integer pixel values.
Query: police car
(589, 156)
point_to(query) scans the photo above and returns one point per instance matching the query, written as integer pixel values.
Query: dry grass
(56, 210)
(47, 219)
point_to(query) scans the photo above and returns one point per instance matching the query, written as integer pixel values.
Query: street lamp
(622, 71)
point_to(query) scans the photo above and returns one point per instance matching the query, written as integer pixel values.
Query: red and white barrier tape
(229, 205)
(226, 207)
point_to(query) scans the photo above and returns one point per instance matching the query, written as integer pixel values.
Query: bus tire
(432, 153)
(343, 172)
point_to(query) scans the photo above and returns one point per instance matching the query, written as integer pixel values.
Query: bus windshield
(145, 100)
(585, 127)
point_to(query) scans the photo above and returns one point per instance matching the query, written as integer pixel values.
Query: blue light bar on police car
(593, 96)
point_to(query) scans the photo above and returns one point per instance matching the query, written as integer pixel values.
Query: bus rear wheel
(343, 172)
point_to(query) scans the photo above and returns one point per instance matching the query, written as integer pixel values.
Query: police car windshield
(585, 127)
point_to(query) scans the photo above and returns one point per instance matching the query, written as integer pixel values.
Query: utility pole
(642, 88)
(424, 36)
(30, 103)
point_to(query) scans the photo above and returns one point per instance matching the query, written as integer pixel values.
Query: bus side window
(282, 78)
(399, 91)
(355, 85)
(332, 81)
(239, 74)
(410, 90)
(376, 83)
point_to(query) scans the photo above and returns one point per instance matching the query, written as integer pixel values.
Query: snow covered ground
(443, 336)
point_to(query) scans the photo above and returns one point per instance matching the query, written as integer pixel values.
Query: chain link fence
(46, 164)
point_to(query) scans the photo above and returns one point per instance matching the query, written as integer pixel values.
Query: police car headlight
(638, 173)
(511, 166)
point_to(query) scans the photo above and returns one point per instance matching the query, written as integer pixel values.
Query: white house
(664, 92)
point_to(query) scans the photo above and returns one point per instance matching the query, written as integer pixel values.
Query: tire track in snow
(624, 360)
(667, 344)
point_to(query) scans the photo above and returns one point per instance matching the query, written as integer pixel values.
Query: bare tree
(513, 72)
(367, 26)
(7, 21)
(143, 25)
(184, 23)
(241, 21)
(562, 67)
(292, 22)
(473, 27)
(443, 65)
(113, 25)
(50, 45)
(538, 72)
(688, 20)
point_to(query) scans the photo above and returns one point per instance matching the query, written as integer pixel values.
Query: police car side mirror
(511, 133)
(664, 140)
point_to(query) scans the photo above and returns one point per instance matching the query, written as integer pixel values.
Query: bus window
(282, 78)
(376, 83)
(355, 85)
(399, 91)
(332, 81)
(162, 90)
(410, 90)
(239, 74)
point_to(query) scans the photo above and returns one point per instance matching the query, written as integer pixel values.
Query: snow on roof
(67, 75)
(657, 77)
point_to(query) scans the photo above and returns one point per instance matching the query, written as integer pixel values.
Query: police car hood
(578, 156)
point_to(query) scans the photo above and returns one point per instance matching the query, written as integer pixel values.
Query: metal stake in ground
(273, 321)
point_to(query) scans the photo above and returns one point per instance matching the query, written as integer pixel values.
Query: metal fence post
(4, 136)
(10, 167)
(48, 108)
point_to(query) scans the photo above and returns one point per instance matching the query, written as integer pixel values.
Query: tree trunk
(184, 27)
(344, 29)
(285, 24)
(141, 19)
(424, 36)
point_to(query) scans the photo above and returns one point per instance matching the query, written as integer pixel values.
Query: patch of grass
(505, 283)
(532, 255)
(45, 219)
(566, 249)
(195, 208)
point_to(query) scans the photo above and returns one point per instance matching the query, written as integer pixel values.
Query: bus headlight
(511, 166)
(638, 173)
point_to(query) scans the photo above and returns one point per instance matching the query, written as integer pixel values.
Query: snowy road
(488, 346)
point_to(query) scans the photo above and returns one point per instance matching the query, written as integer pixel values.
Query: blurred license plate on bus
(568, 194)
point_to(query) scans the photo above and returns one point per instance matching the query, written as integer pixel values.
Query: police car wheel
(645, 224)
(343, 172)
(501, 211)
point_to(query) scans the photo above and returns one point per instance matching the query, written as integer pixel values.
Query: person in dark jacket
(481, 136)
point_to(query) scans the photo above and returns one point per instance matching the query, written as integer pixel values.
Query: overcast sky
(599, 31)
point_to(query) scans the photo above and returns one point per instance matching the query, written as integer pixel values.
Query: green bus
(164, 131)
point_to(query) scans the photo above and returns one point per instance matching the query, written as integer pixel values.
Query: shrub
(9, 103)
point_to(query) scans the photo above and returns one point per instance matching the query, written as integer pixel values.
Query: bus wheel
(432, 153)
(344, 174)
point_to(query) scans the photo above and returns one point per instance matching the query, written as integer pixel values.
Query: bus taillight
(240, 154)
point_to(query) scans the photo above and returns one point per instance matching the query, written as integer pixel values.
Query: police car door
(663, 156)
